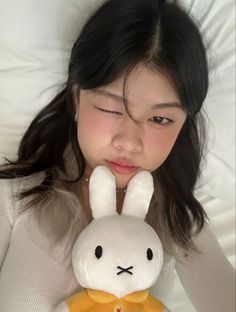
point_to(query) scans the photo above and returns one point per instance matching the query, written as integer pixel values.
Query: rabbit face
(117, 254)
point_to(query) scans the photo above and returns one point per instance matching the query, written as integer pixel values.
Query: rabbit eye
(149, 254)
(98, 252)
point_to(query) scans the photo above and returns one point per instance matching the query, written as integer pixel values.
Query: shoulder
(7, 192)
(16, 185)
(10, 188)
(8, 209)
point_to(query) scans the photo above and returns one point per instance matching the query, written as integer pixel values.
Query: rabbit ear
(102, 192)
(138, 195)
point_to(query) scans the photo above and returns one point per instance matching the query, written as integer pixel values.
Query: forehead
(143, 86)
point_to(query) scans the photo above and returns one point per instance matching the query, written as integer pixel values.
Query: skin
(105, 131)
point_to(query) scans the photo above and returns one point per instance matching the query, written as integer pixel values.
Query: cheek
(159, 144)
(85, 128)
(92, 129)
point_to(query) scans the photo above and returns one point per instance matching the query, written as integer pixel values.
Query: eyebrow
(116, 97)
(120, 99)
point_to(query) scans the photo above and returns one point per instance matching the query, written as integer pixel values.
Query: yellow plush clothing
(98, 301)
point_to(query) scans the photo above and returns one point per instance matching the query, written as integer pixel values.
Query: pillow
(217, 23)
(216, 188)
(36, 38)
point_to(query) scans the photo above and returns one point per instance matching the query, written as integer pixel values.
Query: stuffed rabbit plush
(116, 258)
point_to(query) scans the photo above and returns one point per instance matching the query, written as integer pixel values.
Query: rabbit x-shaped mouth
(125, 270)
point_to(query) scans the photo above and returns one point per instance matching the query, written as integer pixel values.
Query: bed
(35, 42)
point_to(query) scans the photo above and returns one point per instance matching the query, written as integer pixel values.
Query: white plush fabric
(35, 42)
(118, 235)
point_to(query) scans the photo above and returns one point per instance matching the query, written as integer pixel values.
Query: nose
(128, 138)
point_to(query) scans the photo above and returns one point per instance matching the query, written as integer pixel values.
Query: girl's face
(108, 136)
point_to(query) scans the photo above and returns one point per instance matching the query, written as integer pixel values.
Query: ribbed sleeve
(208, 277)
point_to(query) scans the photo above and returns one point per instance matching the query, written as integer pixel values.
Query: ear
(102, 192)
(138, 195)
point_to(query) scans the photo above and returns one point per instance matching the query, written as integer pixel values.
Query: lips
(122, 166)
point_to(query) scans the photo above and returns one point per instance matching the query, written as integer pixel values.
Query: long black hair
(117, 37)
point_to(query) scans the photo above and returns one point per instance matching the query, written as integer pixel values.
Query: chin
(122, 180)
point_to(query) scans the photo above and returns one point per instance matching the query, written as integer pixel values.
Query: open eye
(161, 120)
(149, 254)
(98, 252)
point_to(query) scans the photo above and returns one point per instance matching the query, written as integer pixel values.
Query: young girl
(137, 79)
